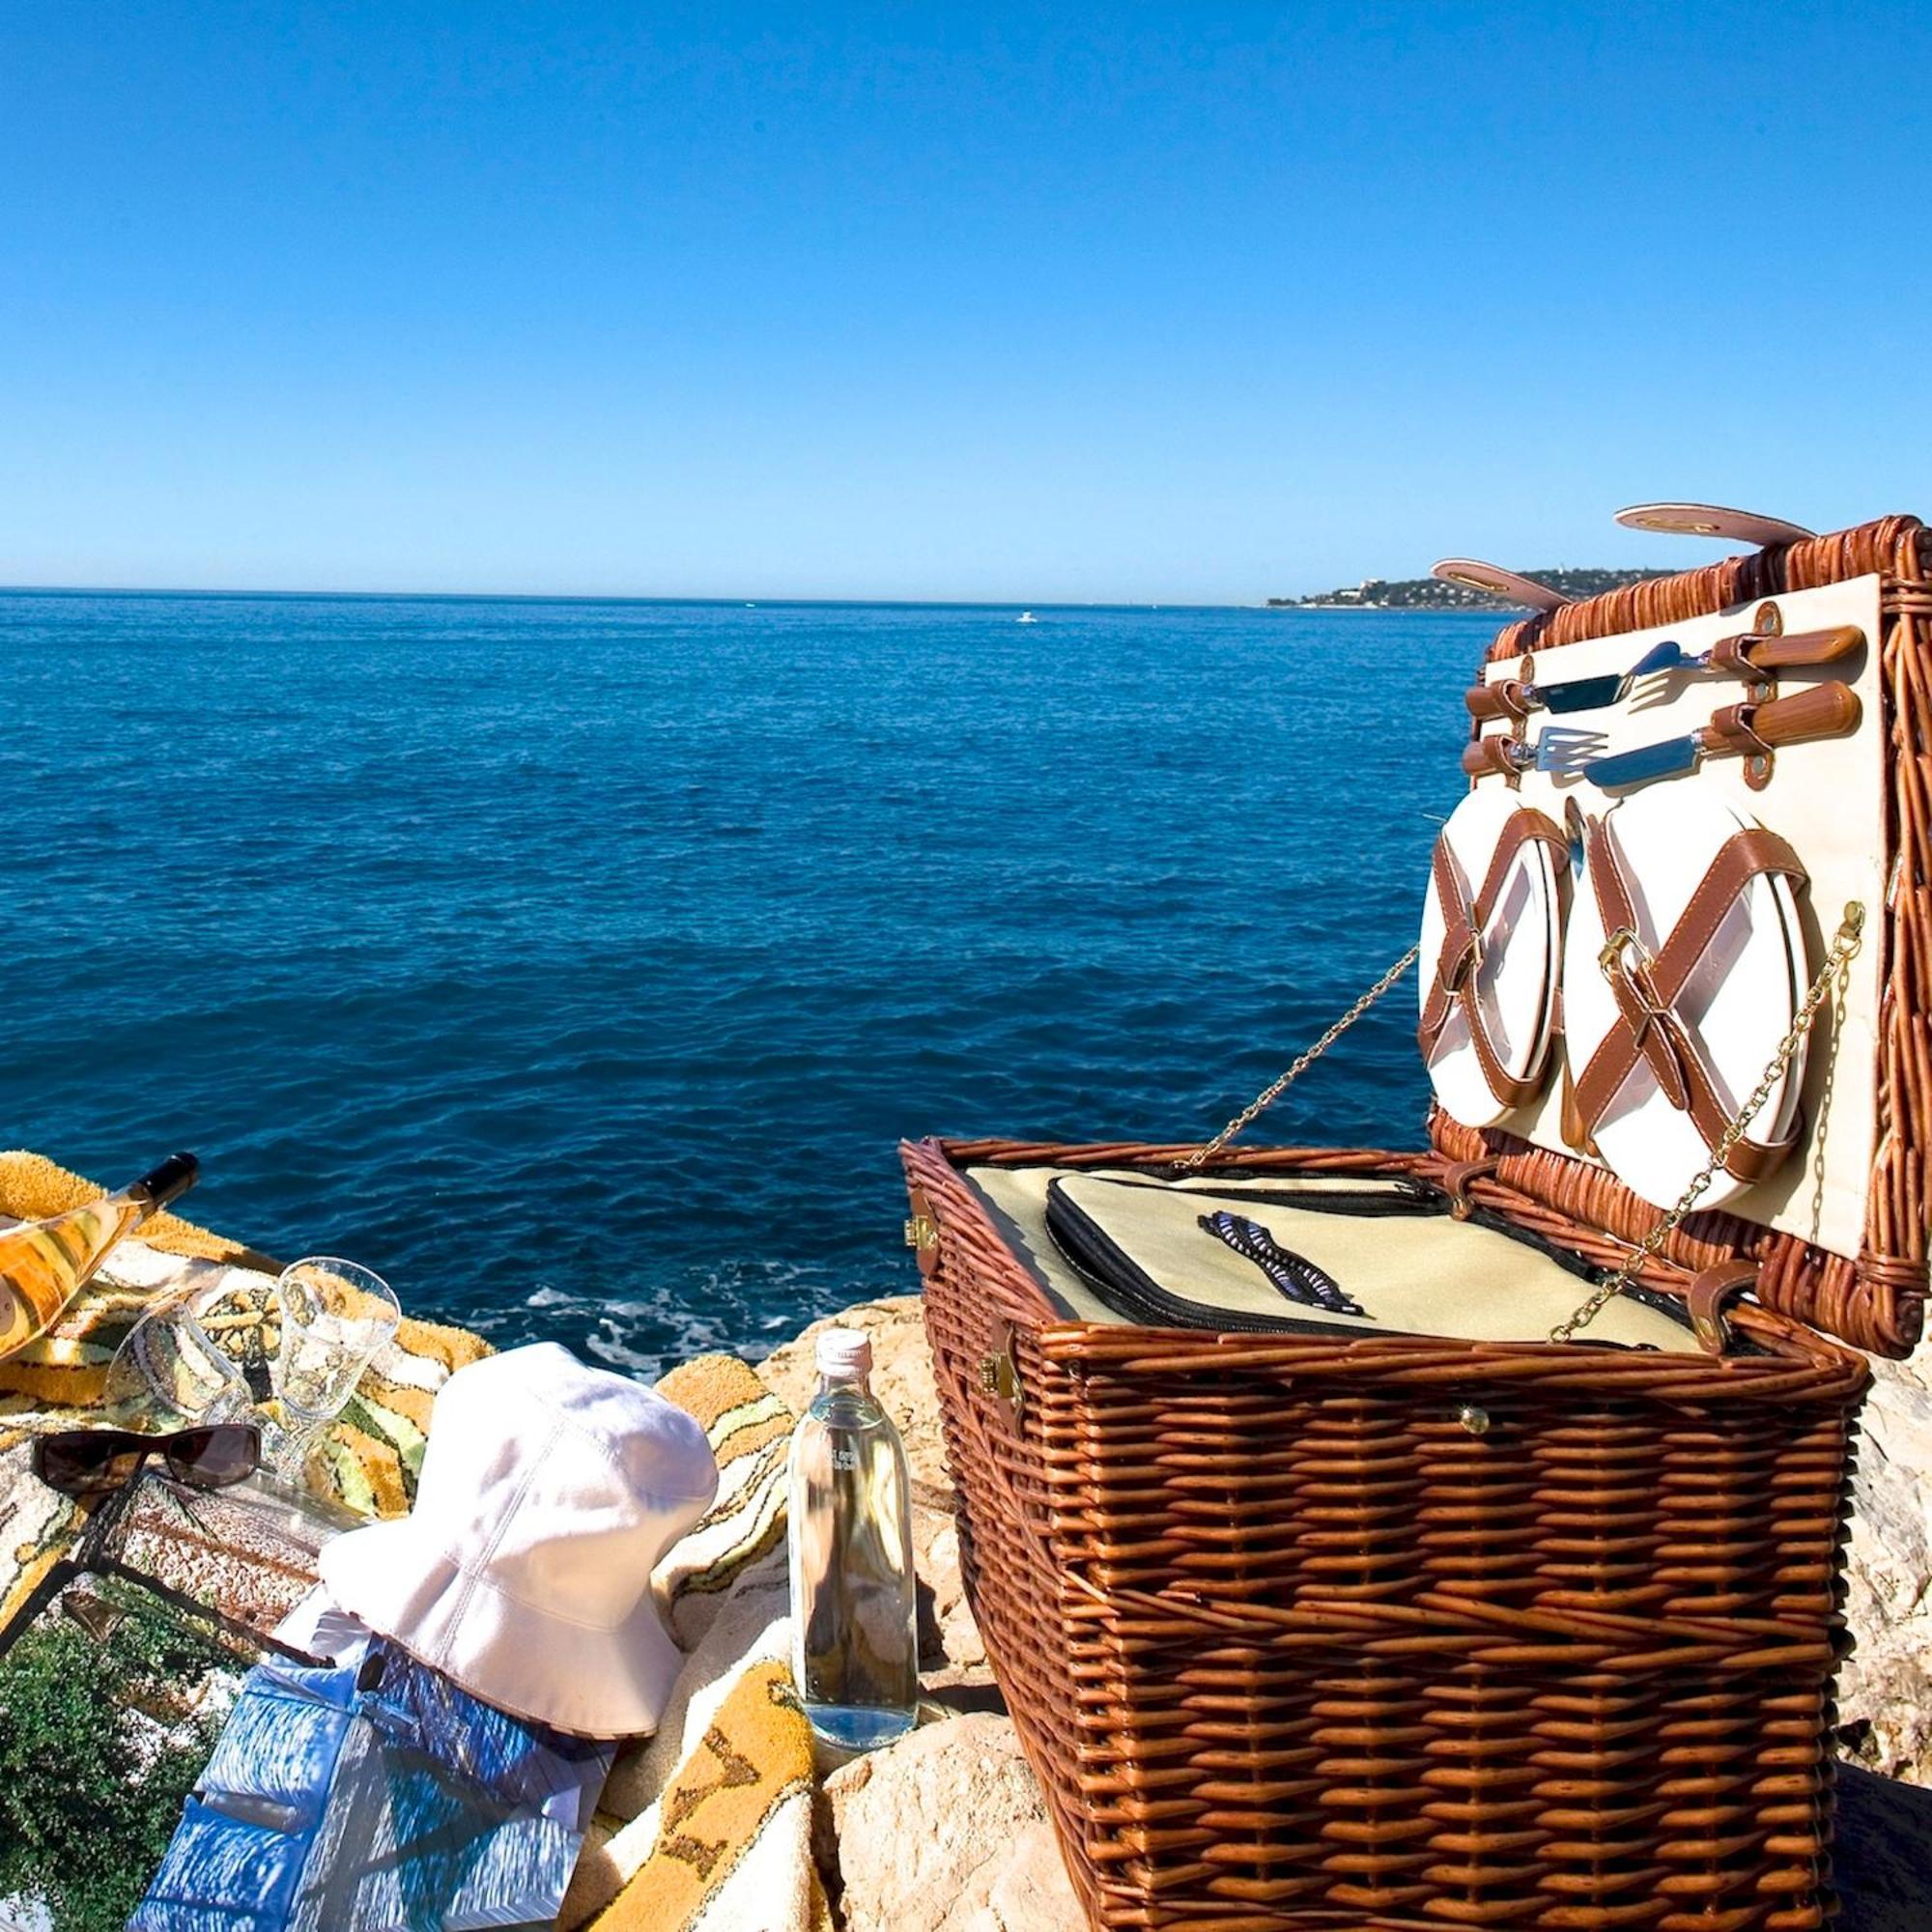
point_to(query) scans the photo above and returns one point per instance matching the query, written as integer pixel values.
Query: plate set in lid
(1683, 966)
(1490, 956)
(1666, 1032)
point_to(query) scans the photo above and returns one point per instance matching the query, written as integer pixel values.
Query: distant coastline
(1433, 593)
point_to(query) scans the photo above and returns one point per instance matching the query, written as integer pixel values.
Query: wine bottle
(44, 1264)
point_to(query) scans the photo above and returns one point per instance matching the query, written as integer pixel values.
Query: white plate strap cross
(1646, 986)
(1466, 924)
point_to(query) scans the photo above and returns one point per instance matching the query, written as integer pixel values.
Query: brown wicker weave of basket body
(1397, 1634)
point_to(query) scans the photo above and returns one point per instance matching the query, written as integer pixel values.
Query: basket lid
(1836, 1220)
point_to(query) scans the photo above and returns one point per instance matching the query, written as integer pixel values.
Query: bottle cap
(170, 1180)
(844, 1353)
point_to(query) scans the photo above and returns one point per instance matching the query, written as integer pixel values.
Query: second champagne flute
(334, 1317)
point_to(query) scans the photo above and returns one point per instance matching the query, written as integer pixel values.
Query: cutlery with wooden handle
(1748, 654)
(1754, 653)
(1512, 698)
(1825, 711)
(1558, 748)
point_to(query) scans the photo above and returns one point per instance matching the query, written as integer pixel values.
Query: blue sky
(1183, 302)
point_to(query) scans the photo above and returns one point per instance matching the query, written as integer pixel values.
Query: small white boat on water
(1026, 617)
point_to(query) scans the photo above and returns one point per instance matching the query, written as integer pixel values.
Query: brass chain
(1273, 1093)
(1844, 946)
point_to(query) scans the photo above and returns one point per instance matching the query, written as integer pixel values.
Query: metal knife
(1512, 698)
(1748, 654)
(1826, 711)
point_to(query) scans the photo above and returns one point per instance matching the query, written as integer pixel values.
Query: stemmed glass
(171, 1371)
(334, 1317)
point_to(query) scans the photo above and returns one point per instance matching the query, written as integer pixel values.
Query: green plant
(98, 1747)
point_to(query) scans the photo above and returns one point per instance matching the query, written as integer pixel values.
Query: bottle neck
(165, 1185)
(844, 1382)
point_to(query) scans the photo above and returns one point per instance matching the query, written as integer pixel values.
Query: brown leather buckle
(1452, 973)
(1611, 958)
(1456, 1180)
(1713, 1290)
(1636, 976)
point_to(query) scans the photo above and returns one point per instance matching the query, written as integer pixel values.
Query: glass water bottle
(855, 1648)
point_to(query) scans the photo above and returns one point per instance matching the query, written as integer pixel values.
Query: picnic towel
(372, 1454)
(705, 1826)
(708, 1823)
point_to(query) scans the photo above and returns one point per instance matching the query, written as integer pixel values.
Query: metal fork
(1561, 750)
(1748, 654)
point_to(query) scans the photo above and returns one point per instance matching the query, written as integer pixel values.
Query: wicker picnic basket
(1399, 1632)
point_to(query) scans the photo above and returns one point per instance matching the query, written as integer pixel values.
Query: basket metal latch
(921, 1234)
(1000, 1376)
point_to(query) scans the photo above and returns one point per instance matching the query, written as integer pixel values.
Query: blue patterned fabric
(277, 1751)
(376, 1797)
(221, 1874)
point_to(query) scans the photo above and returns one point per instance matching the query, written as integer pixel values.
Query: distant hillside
(1431, 593)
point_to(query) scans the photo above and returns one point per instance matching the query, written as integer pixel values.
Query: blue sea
(577, 965)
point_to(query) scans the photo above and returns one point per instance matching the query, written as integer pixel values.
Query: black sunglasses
(89, 1461)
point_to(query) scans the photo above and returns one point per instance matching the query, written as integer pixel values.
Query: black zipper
(1399, 1195)
(1130, 1291)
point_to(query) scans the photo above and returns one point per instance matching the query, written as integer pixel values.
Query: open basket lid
(1839, 1229)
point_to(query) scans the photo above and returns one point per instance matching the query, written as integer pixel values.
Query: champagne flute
(334, 1317)
(170, 1372)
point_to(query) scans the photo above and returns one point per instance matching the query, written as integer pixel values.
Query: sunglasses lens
(214, 1457)
(80, 1464)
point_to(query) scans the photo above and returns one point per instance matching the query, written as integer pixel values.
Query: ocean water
(577, 965)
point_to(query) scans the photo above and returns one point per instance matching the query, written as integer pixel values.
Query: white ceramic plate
(1516, 982)
(1740, 1001)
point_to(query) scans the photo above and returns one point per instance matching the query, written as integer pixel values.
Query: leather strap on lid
(1646, 989)
(1713, 1290)
(1464, 923)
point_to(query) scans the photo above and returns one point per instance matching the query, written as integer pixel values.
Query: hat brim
(593, 1683)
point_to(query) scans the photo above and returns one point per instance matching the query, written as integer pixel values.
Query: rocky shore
(945, 1830)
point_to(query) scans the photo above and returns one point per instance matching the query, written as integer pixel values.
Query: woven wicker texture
(1290, 1645)
(1876, 1300)
(1396, 1633)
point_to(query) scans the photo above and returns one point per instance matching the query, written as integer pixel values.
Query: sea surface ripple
(577, 964)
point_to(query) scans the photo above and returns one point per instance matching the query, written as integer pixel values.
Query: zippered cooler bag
(1327, 1588)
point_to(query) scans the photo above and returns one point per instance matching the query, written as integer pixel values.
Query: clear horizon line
(634, 597)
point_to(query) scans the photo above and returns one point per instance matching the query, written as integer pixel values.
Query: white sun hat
(549, 1493)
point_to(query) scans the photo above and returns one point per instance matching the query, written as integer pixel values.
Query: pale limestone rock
(952, 1655)
(1886, 1689)
(1033, 1892)
(944, 1832)
(901, 1378)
